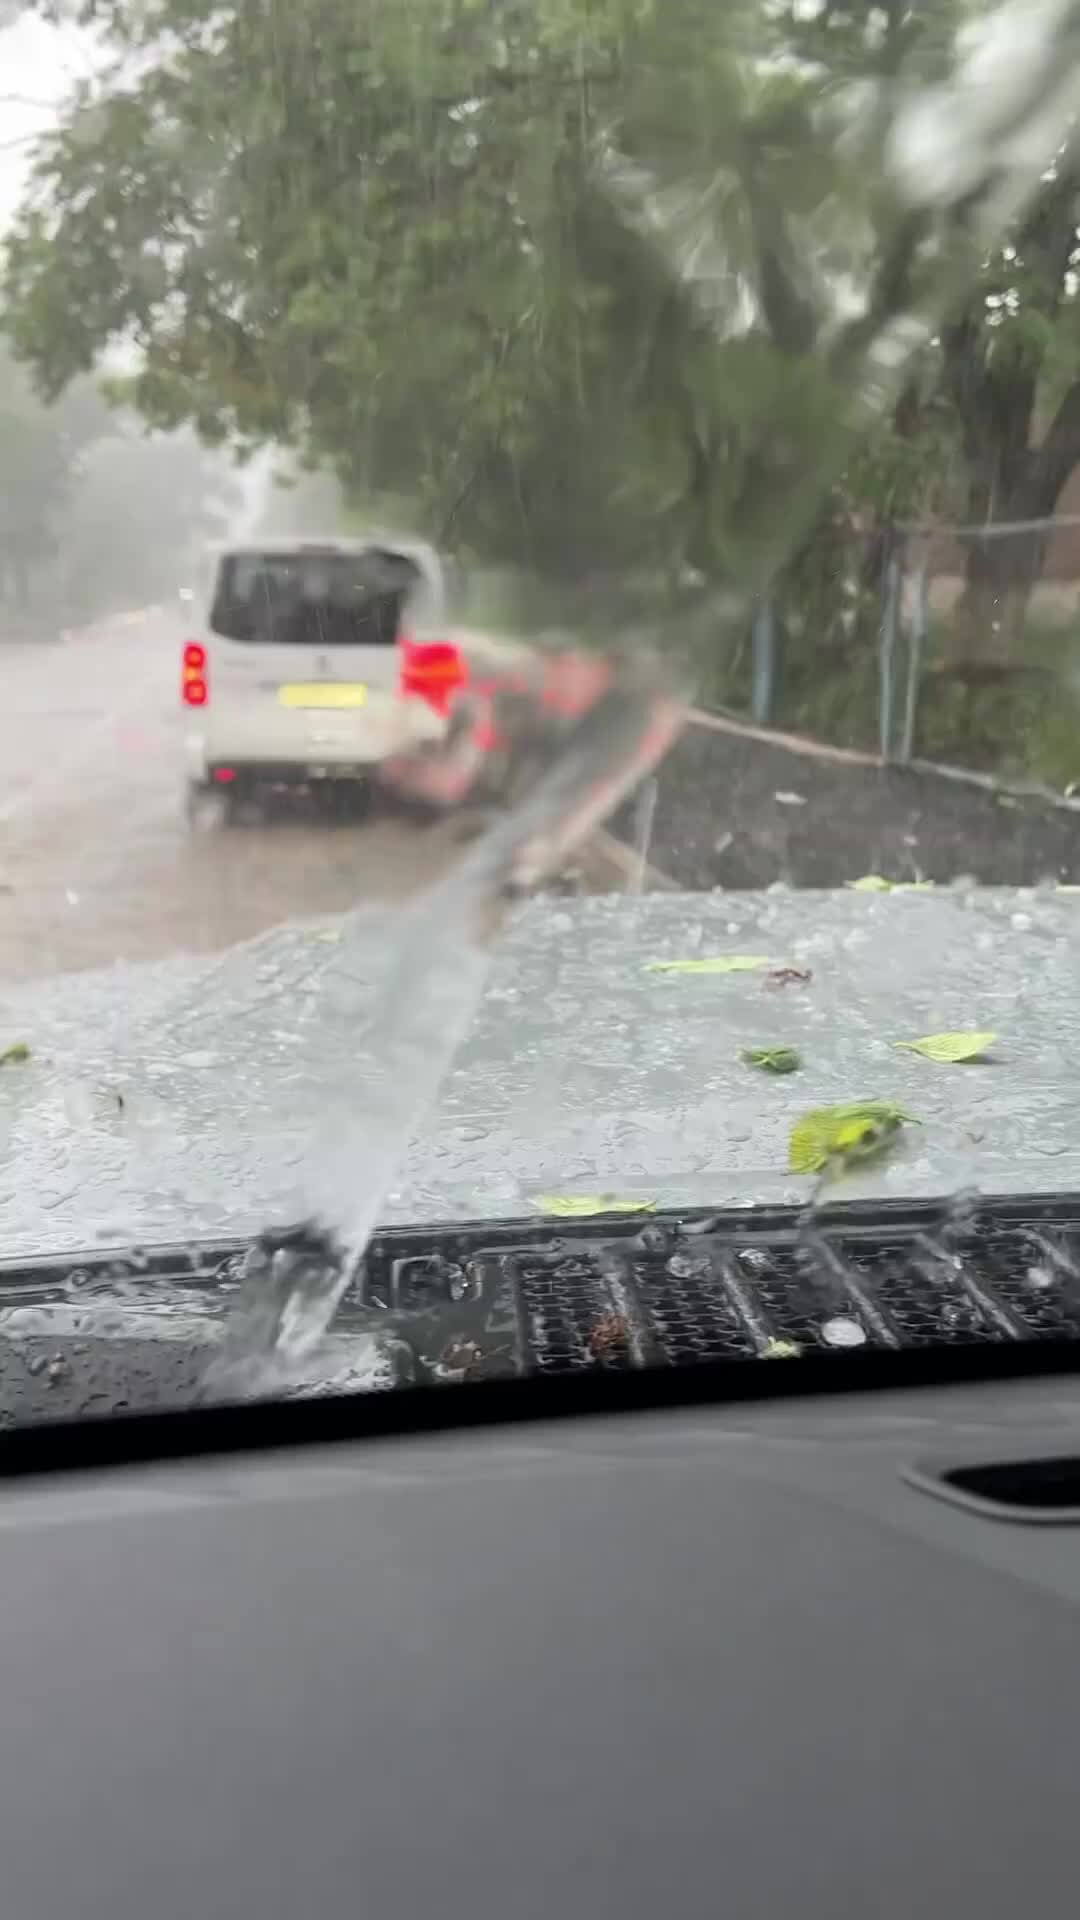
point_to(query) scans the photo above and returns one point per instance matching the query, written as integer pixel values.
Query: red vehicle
(500, 718)
(508, 723)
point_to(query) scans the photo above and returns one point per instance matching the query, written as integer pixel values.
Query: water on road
(97, 861)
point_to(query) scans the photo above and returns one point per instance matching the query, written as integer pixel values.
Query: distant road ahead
(96, 860)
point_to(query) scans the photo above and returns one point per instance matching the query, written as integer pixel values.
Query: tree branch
(1054, 460)
(965, 381)
(1047, 236)
(890, 294)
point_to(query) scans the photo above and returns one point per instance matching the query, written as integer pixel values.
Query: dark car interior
(608, 1640)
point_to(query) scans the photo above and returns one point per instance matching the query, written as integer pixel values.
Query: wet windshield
(539, 683)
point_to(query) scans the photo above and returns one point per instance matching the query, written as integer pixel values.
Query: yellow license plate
(327, 694)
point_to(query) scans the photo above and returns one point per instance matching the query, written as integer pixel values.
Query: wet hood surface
(179, 1099)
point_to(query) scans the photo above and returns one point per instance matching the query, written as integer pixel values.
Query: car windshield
(539, 687)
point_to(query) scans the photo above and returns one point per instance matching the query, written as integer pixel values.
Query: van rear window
(316, 599)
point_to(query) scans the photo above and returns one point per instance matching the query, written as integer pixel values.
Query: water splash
(644, 819)
(439, 959)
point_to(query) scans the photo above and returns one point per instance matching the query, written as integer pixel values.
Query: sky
(38, 65)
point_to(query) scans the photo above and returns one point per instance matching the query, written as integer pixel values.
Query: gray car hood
(179, 1099)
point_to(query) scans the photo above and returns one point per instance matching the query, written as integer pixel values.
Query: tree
(95, 514)
(1010, 360)
(299, 503)
(35, 479)
(390, 239)
(40, 453)
(1003, 383)
(603, 284)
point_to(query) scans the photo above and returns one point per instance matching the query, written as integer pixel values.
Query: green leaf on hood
(844, 1136)
(717, 963)
(580, 1206)
(17, 1051)
(772, 1059)
(949, 1047)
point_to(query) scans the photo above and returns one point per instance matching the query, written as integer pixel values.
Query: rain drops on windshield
(539, 569)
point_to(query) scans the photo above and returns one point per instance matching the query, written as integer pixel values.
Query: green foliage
(950, 1049)
(40, 452)
(715, 963)
(584, 1206)
(298, 503)
(772, 1059)
(572, 280)
(1025, 724)
(838, 1138)
(413, 245)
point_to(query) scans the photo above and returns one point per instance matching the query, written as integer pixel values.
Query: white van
(294, 675)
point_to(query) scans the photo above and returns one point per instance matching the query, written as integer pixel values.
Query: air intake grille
(681, 1289)
(94, 1334)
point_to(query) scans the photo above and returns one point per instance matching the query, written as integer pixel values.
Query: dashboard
(732, 1660)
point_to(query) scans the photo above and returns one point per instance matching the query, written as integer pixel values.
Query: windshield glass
(540, 721)
(308, 598)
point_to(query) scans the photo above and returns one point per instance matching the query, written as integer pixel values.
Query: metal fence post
(916, 647)
(763, 651)
(887, 656)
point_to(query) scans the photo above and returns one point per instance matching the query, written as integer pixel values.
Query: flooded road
(97, 862)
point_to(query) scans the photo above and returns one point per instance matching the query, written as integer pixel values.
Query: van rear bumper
(250, 775)
(324, 748)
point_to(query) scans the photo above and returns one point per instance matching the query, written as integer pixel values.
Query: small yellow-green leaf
(329, 936)
(877, 883)
(950, 1047)
(808, 1145)
(18, 1051)
(781, 1350)
(840, 1137)
(579, 1206)
(717, 963)
(772, 1059)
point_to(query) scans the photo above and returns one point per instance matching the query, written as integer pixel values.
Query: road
(97, 863)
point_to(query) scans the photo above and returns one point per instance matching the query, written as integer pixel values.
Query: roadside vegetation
(566, 284)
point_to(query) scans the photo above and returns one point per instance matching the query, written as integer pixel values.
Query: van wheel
(344, 802)
(207, 808)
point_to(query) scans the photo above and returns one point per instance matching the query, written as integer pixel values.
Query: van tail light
(431, 670)
(194, 684)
